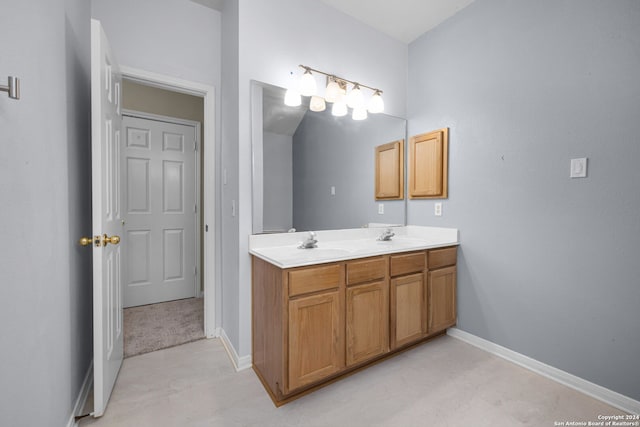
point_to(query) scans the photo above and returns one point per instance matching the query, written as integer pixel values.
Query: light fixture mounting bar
(339, 78)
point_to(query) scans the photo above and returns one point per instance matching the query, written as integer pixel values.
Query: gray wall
(278, 182)
(229, 189)
(338, 151)
(45, 185)
(547, 263)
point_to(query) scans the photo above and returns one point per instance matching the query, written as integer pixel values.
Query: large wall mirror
(314, 171)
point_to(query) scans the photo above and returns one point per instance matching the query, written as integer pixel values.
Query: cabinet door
(316, 338)
(390, 171)
(442, 298)
(367, 321)
(408, 310)
(428, 165)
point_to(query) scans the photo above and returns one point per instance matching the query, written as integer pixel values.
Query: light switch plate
(579, 168)
(333, 190)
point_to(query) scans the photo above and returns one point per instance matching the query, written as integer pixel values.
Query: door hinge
(195, 208)
(195, 271)
(195, 145)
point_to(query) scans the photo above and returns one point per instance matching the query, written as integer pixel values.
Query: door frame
(207, 92)
(199, 196)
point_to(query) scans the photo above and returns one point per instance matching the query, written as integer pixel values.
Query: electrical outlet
(333, 190)
(438, 209)
(381, 208)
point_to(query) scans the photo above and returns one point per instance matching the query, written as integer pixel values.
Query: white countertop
(339, 245)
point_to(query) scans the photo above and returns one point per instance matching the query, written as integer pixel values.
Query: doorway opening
(182, 112)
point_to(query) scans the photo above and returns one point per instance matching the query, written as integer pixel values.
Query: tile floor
(444, 382)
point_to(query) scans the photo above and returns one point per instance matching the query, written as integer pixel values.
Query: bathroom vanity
(322, 313)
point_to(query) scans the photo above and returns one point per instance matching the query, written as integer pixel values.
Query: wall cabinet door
(408, 309)
(316, 338)
(428, 165)
(442, 298)
(390, 171)
(367, 321)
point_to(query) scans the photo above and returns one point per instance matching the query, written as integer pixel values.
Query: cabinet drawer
(442, 257)
(306, 280)
(366, 270)
(408, 263)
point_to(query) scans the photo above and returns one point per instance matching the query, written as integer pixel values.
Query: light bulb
(308, 84)
(355, 98)
(292, 98)
(376, 104)
(339, 109)
(359, 113)
(332, 90)
(317, 104)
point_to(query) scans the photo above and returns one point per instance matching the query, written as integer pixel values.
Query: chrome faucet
(310, 243)
(386, 235)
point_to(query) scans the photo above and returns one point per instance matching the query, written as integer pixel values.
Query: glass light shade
(308, 85)
(317, 104)
(376, 104)
(339, 109)
(332, 91)
(359, 113)
(355, 98)
(292, 98)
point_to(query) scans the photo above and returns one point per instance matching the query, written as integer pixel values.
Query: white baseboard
(605, 395)
(239, 363)
(82, 396)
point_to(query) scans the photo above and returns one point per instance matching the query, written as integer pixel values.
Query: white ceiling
(404, 20)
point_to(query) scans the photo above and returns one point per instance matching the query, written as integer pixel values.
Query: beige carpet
(156, 326)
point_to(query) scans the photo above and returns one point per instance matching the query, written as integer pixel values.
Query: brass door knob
(87, 241)
(114, 240)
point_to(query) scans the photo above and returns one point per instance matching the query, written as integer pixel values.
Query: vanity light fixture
(292, 98)
(359, 113)
(308, 85)
(376, 104)
(339, 109)
(355, 99)
(333, 89)
(317, 104)
(336, 92)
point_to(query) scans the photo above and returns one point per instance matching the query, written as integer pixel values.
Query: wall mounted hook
(12, 87)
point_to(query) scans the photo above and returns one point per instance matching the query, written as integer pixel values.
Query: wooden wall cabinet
(428, 165)
(314, 324)
(390, 171)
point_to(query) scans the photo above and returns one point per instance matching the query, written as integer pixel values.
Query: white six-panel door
(106, 218)
(158, 171)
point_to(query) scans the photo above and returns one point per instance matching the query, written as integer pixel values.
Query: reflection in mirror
(314, 171)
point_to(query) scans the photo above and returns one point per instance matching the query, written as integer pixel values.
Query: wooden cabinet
(441, 289)
(428, 165)
(313, 324)
(367, 323)
(316, 340)
(442, 298)
(408, 312)
(408, 298)
(390, 171)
